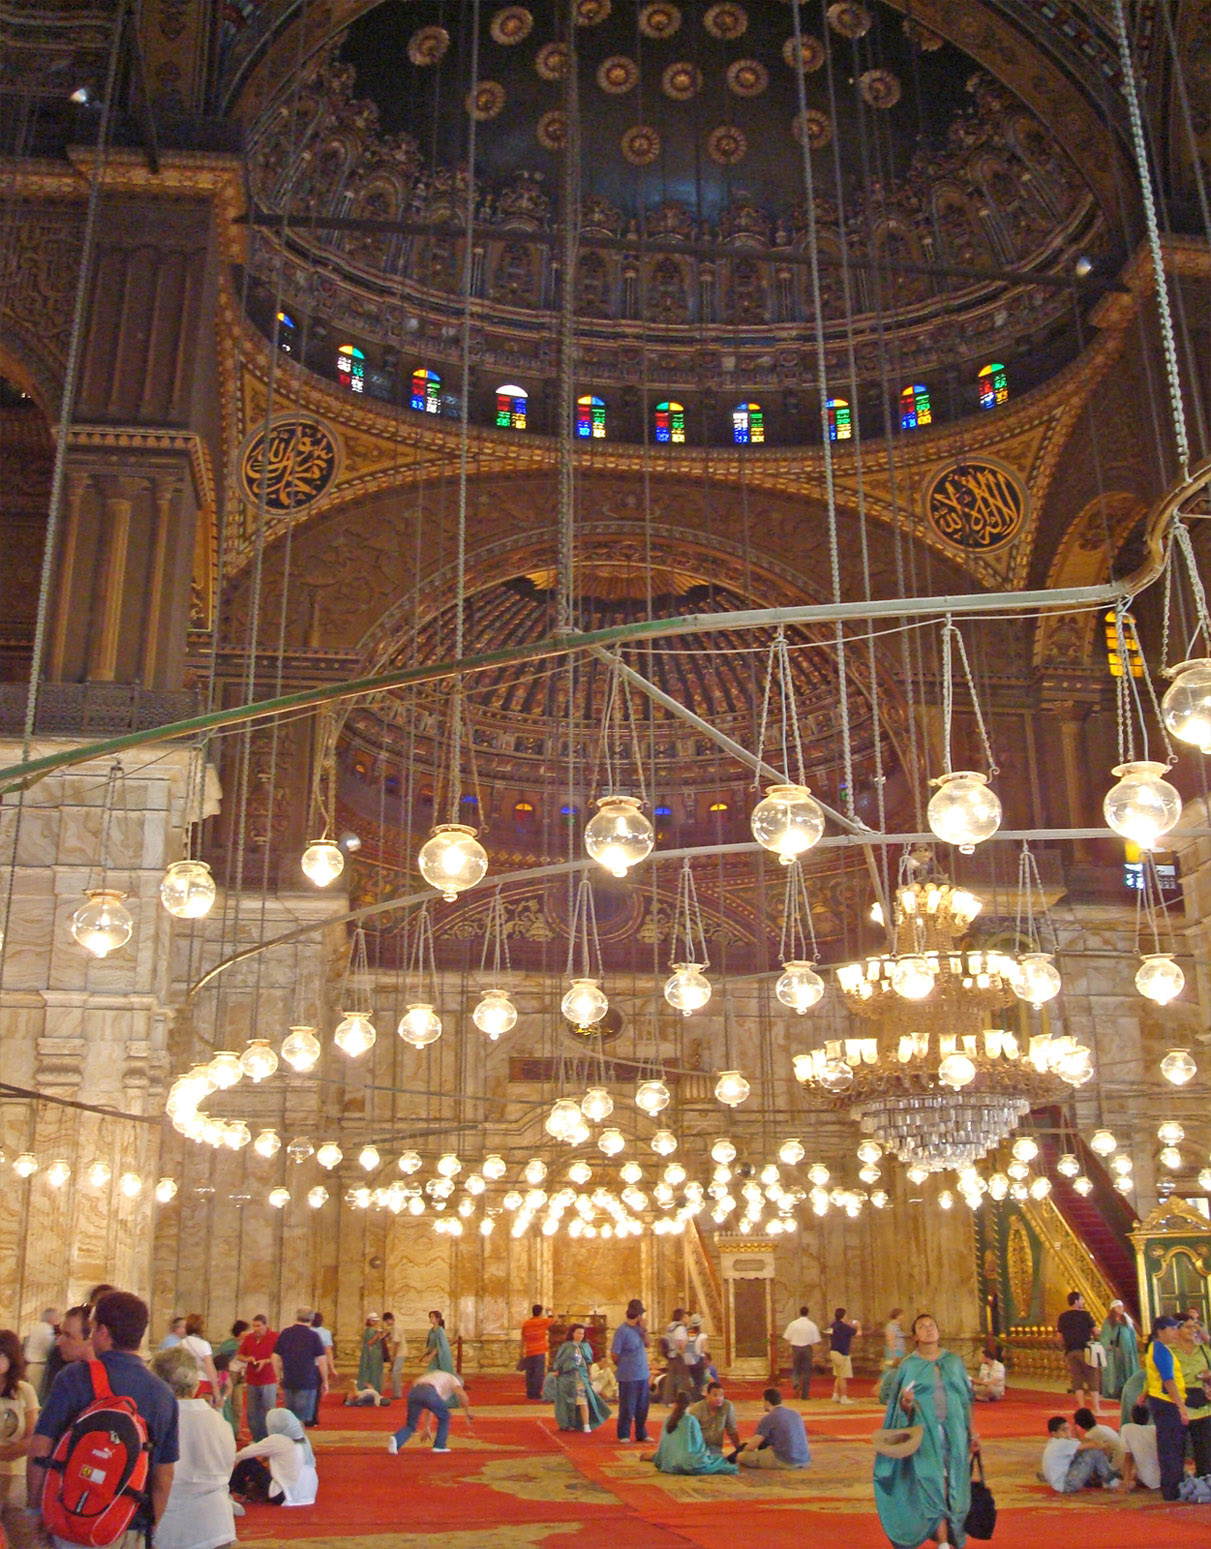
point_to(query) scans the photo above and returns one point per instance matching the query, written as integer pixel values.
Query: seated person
(989, 1382)
(1135, 1391)
(1070, 1465)
(199, 1513)
(364, 1398)
(605, 1383)
(1088, 1427)
(1141, 1466)
(682, 1449)
(781, 1439)
(280, 1469)
(716, 1417)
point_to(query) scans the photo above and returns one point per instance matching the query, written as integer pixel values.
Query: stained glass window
(1135, 658)
(670, 422)
(840, 423)
(590, 417)
(511, 407)
(285, 333)
(914, 407)
(994, 385)
(426, 391)
(748, 424)
(351, 367)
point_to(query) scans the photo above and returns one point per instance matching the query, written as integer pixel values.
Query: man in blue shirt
(304, 1367)
(119, 1323)
(630, 1353)
(781, 1439)
(840, 1338)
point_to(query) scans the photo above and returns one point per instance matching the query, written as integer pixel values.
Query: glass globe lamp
(98, 1174)
(58, 1173)
(1171, 1133)
(912, 977)
(1040, 1188)
(1178, 1067)
(870, 1152)
(723, 1152)
(618, 835)
(1037, 979)
(1075, 1065)
(731, 1088)
(279, 1198)
(956, 1071)
(225, 1070)
(563, 1118)
(1124, 1183)
(238, 1136)
(799, 986)
(998, 1186)
(317, 1197)
(300, 1149)
(368, 1158)
(630, 1172)
(663, 1142)
(791, 1152)
(584, 1003)
(452, 859)
(448, 1165)
(1159, 978)
(258, 1060)
(869, 1174)
(268, 1143)
(1121, 1164)
(420, 1025)
(494, 1167)
(836, 1076)
(188, 890)
(1083, 1186)
(1204, 1179)
(1103, 1143)
(329, 1155)
(1186, 706)
(1068, 1166)
(652, 1097)
(611, 1142)
(1143, 805)
(166, 1190)
(322, 862)
(787, 821)
(103, 923)
(1169, 1157)
(495, 1014)
(597, 1104)
(687, 989)
(534, 1171)
(674, 1174)
(1019, 1171)
(131, 1185)
(1025, 1148)
(301, 1049)
(964, 811)
(355, 1033)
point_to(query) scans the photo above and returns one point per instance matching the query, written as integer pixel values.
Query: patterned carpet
(519, 1482)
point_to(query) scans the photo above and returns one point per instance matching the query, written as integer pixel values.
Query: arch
(511, 403)
(748, 424)
(840, 419)
(426, 391)
(994, 385)
(590, 417)
(670, 422)
(351, 368)
(915, 409)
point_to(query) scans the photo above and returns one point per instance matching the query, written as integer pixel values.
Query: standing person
(1074, 1329)
(1194, 1315)
(577, 1405)
(325, 1333)
(280, 1469)
(373, 1356)
(393, 1356)
(672, 1346)
(304, 1367)
(434, 1395)
(1194, 1360)
(802, 1335)
(1117, 1337)
(629, 1352)
(18, 1415)
(682, 1449)
(780, 1440)
(119, 1323)
(176, 1333)
(841, 1335)
(716, 1417)
(535, 1338)
(893, 1339)
(199, 1513)
(228, 1351)
(927, 1493)
(262, 1373)
(1167, 1404)
(695, 1356)
(39, 1343)
(437, 1348)
(73, 1344)
(199, 1348)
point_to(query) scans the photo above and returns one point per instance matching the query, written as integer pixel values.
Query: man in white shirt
(1088, 1428)
(433, 1392)
(802, 1335)
(1070, 1465)
(1140, 1464)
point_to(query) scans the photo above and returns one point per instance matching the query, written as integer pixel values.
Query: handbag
(1095, 1354)
(982, 1513)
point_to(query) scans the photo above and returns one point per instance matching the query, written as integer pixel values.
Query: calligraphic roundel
(302, 461)
(976, 505)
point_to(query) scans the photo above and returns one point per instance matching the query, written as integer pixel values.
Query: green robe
(913, 1494)
(572, 1386)
(370, 1366)
(1135, 1391)
(231, 1404)
(683, 1451)
(1122, 1356)
(437, 1348)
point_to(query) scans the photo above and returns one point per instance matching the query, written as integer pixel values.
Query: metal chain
(789, 708)
(1126, 733)
(765, 698)
(975, 701)
(1182, 539)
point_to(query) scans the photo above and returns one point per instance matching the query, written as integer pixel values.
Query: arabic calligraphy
(298, 467)
(975, 505)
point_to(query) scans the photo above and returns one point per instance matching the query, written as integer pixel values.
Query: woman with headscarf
(927, 1493)
(682, 1449)
(280, 1469)
(1117, 1336)
(374, 1349)
(577, 1405)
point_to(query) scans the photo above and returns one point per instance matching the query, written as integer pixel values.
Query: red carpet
(517, 1482)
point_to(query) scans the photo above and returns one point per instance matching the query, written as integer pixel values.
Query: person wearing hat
(1117, 1338)
(1167, 1404)
(629, 1352)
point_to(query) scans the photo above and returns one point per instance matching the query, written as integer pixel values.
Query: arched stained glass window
(840, 423)
(351, 367)
(590, 417)
(1135, 658)
(511, 407)
(994, 385)
(285, 333)
(748, 424)
(914, 407)
(670, 422)
(426, 391)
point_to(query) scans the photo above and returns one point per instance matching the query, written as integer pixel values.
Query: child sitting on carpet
(364, 1398)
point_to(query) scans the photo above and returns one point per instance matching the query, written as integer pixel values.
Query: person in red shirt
(262, 1372)
(534, 1345)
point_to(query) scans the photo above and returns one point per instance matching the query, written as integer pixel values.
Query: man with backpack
(102, 1454)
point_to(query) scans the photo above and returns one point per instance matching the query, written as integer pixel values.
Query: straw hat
(900, 1443)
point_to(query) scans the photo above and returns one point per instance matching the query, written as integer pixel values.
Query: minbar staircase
(1102, 1220)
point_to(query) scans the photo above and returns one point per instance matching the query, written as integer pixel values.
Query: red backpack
(96, 1478)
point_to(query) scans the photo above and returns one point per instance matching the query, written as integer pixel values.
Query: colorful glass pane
(670, 422)
(994, 386)
(590, 417)
(511, 407)
(748, 424)
(426, 391)
(351, 367)
(915, 408)
(840, 421)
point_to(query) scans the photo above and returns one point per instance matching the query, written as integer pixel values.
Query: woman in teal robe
(370, 1364)
(928, 1494)
(437, 1348)
(682, 1449)
(578, 1406)
(1122, 1350)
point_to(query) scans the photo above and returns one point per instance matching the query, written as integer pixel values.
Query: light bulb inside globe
(301, 1049)
(1171, 1158)
(597, 1104)
(1143, 806)
(1171, 1133)
(131, 1185)
(103, 924)
(1083, 1185)
(329, 1155)
(1186, 706)
(791, 1152)
(368, 1158)
(258, 1060)
(731, 1088)
(964, 811)
(799, 986)
(268, 1143)
(166, 1190)
(58, 1173)
(448, 1165)
(1036, 978)
(279, 1198)
(495, 1014)
(688, 989)
(912, 977)
(98, 1174)
(787, 821)
(611, 1142)
(188, 890)
(619, 835)
(355, 1033)
(1178, 1067)
(1159, 978)
(420, 1025)
(652, 1097)
(1102, 1142)
(494, 1167)
(663, 1142)
(1068, 1166)
(317, 1197)
(452, 859)
(723, 1152)
(322, 862)
(584, 1004)
(956, 1071)
(225, 1070)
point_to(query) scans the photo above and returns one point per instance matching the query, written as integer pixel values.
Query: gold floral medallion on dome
(486, 102)
(815, 125)
(681, 81)
(428, 45)
(726, 20)
(851, 19)
(879, 88)
(811, 51)
(591, 13)
(617, 75)
(658, 19)
(747, 77)
(551, 61)
(976, 505)
(640, 145)
(727, 145)
(511, 25)
(552, 130)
